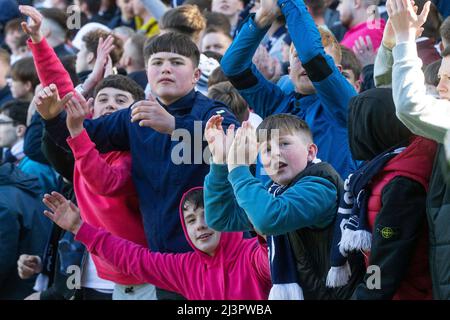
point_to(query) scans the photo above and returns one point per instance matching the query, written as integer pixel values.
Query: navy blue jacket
(325, 112)
(5, 95)
(23, 228)
(159, 180)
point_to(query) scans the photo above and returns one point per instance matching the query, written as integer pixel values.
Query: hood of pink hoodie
(229, 243)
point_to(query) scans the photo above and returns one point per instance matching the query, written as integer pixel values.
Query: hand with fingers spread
(48, 103)
(28, 266)
(405, 20)
(244, 149)
(64, 213)
(32, 28)
(218, 142)
(77, 110)
(389, 33)
(363, 50)
(104, 48)
(149, 113)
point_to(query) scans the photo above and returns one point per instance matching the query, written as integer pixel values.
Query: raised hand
(405, 20)
(48, 103)
(218, 142)
(77, 110)
(33, 28)
(149, 113)
(267, 12)
(101, 68)
(363, 50)
(244, 149)
(65, 214)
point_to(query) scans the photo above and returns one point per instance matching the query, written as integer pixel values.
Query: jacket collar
(185, 102)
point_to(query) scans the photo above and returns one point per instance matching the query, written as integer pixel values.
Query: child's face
(8, 132)
(171, 76)
(350, 76)
(109, 100)
(444, 79)
(284, 158)
(203, 238)
(11, 38)
(216, 42)
(20, 89)
(126, 8)
(84, 58)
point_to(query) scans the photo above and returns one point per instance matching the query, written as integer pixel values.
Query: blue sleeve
(262, 95)
(222, 213)
(33, 140)
(109, 133)
(332, 88)
(311, 202)
(9, 242)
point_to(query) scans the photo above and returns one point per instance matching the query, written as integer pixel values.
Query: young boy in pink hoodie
(223, 266)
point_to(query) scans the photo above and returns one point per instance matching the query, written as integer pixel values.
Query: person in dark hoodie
(383, 211)
(22, 228)
(223, 266)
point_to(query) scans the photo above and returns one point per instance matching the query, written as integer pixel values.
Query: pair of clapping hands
(234, 148)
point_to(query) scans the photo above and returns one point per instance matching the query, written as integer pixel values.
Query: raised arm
(222, 212)
(423, 114)
(48, 66)
(162, 270)
(262, 95)
(308, 203)
(331, 86)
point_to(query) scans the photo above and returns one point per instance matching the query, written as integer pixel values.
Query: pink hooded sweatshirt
(102, 182)
(239, 270)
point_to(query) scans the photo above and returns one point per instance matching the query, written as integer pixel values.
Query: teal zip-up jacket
(237, 201)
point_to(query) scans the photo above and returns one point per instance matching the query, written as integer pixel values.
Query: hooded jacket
(239, 269)
(23, 228)
(396, 206)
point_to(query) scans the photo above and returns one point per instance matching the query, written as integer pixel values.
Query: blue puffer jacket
(23, 228)
(325, 112)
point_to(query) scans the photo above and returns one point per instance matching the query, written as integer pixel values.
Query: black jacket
(312, 249)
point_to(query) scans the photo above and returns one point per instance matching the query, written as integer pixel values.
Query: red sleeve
(103, 178)
(49, 68)
(160, 269)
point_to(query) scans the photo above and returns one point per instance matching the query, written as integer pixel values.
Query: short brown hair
(185, 19)
(24, 70)
(216, 77)
(431, 73)
(219, 21)
(175, 43)
(286, 124)
(226, 93)
(351, 62)
(91, 40)
(203, 5)
(138, 42)
(446, 52)
(445, 30)
(14, 25)
(123, 83)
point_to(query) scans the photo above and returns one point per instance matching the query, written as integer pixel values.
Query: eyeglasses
(6, 122)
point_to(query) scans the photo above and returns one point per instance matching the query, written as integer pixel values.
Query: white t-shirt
(90, 279)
